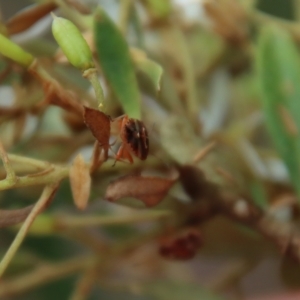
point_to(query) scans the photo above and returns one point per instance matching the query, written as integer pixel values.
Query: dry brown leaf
(13, 217)
(80, 181)
(150, 190)
(26, 18)
(99, 124)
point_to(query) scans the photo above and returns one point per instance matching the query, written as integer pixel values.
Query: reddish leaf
(13, 217)
(150, 190)
(28, 17)
(80, 181)
(99, 124)
(182, 245)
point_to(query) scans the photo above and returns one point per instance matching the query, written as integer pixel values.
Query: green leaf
(13, 51)
(152, 69)
(165, 290)
(115, 60)
(149, 67)
(279, 77)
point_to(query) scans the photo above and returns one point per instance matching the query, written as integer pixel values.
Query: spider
(135, 141)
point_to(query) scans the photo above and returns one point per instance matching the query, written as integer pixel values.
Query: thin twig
(10, 173)
(43, 274)
(85, 284)
(57, 174)
(125, 9)
(192, 102)
(39, 164)
(84, 221)
(92, 75)
(46, 196)
(204, 151)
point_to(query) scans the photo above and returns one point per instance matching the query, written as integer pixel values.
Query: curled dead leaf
(150, 190)
(99, 124)
(13, 217)
(80, 181)
(26, 18)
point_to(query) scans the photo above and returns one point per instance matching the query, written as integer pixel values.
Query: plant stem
(45, 197)
(39, 164)
(92, 75)
(192, 103)
(54, 175)
(85, 284)
(10, 173)
(125, 9)
(43, 274)
(83, 221)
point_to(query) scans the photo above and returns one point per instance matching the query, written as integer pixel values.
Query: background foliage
(213, 212)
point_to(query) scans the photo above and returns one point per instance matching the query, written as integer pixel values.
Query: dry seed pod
(80, 181)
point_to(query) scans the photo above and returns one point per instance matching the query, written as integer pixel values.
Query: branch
(284, 235)
(93, 220)
(43, 274)
(45, 198)
(10, 173)
(85, 284)
(53, 174)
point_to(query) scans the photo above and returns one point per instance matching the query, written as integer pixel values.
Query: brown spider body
(134, 136)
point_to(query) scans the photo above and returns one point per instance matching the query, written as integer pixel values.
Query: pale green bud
(72, 43)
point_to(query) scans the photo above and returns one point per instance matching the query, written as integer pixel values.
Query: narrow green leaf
(152, 69)
(149, 67)
(13, 51)
(115, 60)
(279, 76)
